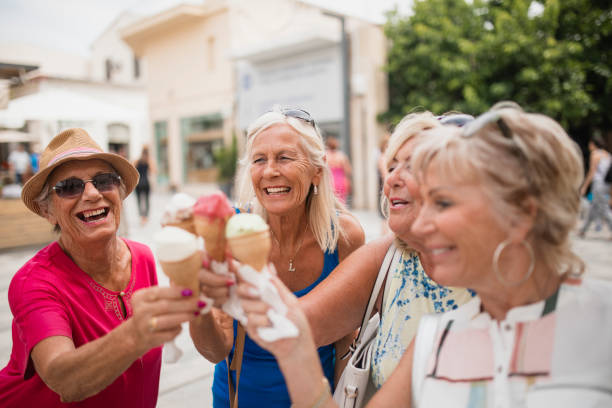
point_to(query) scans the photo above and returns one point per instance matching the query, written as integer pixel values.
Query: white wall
(110, 46)
(52, 62)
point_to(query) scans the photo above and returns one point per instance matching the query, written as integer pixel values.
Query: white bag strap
(382, 273)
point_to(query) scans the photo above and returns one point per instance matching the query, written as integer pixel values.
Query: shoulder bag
(354, 387)
(235, 365)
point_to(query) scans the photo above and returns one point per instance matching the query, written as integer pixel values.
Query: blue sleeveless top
(261, 381)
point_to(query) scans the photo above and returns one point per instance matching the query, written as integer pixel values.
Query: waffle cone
(187, 225)
(251, 249)
(212, 230)
(184, 273)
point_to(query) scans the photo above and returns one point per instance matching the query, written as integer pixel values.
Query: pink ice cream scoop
(210, 214)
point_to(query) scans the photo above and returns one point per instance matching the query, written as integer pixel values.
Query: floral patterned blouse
(410, 294)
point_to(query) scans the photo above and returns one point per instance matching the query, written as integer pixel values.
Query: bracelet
(323, 395)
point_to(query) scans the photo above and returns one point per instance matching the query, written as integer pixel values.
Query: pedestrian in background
(19, 162)
(34, 157)
(143, 189)
(340, 167)
(600, 161)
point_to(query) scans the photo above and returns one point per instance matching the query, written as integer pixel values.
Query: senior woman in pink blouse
(88, 318)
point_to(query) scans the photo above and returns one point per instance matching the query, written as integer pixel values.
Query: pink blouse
(51, 296)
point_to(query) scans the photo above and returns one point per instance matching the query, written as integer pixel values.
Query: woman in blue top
(283, 176)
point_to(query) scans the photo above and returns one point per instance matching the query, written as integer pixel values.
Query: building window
(211, 53)
(136, 67)
(161, 148)
(119, 138)
(108, 65)
(201, 136)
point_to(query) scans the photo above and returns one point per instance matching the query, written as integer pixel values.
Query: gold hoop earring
(315, 190)
(498, 251)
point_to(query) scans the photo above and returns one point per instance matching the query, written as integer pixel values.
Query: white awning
(12, 136)
(63, 105)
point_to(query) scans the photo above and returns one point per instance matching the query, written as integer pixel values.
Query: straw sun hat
(73, 144)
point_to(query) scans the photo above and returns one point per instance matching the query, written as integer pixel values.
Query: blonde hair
(538, 161)
(323, 208)
(410, 126)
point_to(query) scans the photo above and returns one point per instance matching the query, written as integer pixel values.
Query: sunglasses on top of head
(73, 186)
(298, 114)
(481, 121)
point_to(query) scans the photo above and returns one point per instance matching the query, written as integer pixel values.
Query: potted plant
(226, 161)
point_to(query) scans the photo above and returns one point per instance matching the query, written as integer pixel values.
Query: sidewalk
(188, 382)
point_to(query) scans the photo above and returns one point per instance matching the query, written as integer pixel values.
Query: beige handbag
(354, 388)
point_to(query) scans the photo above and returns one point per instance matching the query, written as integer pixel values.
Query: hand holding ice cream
(248, 236)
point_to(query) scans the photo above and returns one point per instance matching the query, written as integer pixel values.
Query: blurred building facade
(213, 68)
(50, 90)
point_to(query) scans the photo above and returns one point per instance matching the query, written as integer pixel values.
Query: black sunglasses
(299, 114)
(74, 186)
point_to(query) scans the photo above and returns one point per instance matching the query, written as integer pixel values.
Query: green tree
(226, 161)
(465, 56)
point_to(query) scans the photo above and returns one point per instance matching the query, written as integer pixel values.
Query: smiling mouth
(93, 215)
(277, 190)
(439, 251)
(397, 202)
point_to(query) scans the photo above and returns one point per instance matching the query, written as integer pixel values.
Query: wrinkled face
(91, 216)
(280, 170)
(402, 206)
(459, 231)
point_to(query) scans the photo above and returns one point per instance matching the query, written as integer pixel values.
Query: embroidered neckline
(111, 298)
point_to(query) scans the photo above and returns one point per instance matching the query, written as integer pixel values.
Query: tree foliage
(458, 55)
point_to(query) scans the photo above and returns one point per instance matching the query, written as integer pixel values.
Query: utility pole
(345, 136)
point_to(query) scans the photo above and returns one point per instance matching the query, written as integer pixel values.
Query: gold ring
(153, 323)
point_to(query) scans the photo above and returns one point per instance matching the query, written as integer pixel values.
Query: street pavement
(187, 383)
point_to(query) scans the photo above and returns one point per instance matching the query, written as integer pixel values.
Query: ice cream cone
(187, 225)
(213, 233)
(184, 273)
(252, 249)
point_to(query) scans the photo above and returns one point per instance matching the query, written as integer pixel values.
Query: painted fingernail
(196, 313)
(186, 292)
(201, 304)
(230, 283)
(205, 263)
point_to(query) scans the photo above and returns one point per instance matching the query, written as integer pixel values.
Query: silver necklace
(291, 267)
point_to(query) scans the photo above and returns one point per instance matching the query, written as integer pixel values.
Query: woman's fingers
(254, 306)
(159, 312)
(215, 286)
(168, 321)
